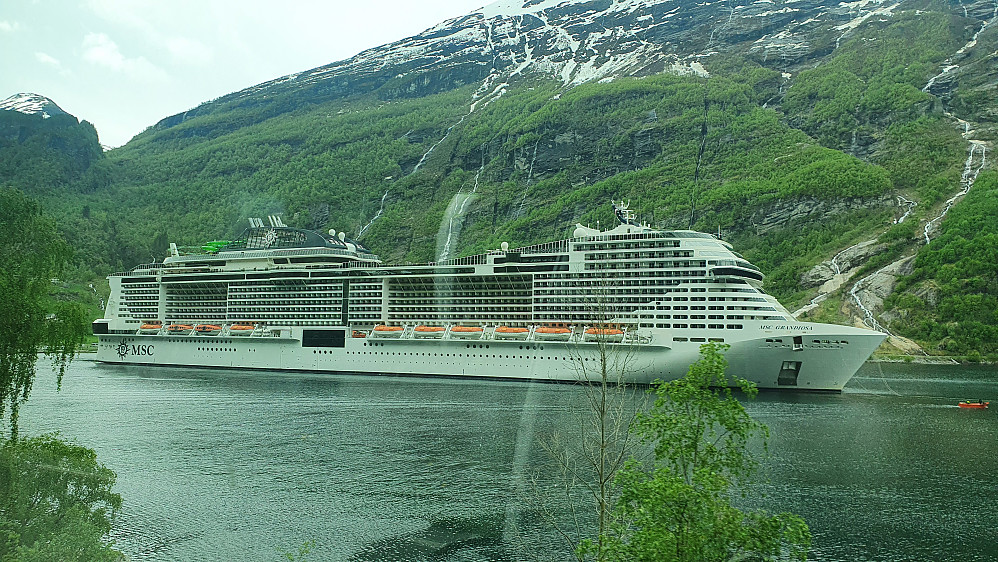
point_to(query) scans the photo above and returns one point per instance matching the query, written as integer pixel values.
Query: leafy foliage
(952, 295)
(679, 506)
(30, 322)
(46, 155)
(56, 502)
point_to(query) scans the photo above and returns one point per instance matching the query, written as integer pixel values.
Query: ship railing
(546, 248)
(477, 259)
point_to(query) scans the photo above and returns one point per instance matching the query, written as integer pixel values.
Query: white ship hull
(812, 365)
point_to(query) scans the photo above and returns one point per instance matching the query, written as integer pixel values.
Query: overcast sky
(125, 64)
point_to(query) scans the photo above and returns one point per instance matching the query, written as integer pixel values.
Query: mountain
(44, 148)
(32, 104)
(843, 147)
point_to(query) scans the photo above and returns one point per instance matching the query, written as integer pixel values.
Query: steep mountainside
(43, 148)
(826, 140)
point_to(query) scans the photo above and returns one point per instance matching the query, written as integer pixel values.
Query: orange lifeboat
(466, 331)
(241, 329)
(208, 329)
(547, 333)
(150, 328)
(382, 331)
(510, 333)
(428, 331)
(604, 334)
(979, 404)
(179, 328)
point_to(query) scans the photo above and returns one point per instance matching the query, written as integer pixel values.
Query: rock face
(783, 211)
(571, 41)
(842, 263)
(872, 290)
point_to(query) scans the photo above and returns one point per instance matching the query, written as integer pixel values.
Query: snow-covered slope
(573, 41)
(31, 104)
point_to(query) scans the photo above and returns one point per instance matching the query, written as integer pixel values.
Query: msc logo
(125, 349)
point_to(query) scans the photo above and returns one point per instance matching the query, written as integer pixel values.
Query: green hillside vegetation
(952, 295)
(42, 156)
(789, 172)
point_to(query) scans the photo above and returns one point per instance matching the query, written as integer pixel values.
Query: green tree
(678, 507)
(55, 498)
(56, 502)
(32, 253)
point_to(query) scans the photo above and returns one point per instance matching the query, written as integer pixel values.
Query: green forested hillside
(792, 165)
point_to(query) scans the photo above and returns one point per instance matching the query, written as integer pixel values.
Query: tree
(678, 507)
(55, 498)
(589, 462)
(32, 253)
(56, 502)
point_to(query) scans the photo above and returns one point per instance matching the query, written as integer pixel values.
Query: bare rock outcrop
(784, 211)
(842, 263)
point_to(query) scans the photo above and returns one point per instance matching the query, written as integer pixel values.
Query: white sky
(125, 64)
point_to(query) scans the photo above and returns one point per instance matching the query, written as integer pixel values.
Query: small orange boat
(208, 329)
(605, 334)
(383, 331)
(179, 328)
(979, 404)
(548, 333)
(359, 334)
(510, 333)
(241, 329)
(466, 331)
(150, 328)
(428, 331)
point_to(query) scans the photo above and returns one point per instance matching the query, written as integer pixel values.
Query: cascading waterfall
(100, 298)
(966, 179)
(377, 215)
(905, 202)
(530, 175)
(450, 227)
(476, 99)
(868, 317)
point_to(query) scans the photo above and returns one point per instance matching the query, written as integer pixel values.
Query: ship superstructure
(289, 298)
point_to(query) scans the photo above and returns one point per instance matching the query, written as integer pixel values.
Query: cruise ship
(634, 302)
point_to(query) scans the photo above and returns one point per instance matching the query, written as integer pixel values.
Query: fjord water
(228, 465)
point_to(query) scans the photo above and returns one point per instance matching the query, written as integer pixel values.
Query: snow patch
(31, 104)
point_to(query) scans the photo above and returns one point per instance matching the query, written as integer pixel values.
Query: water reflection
(443, 539)
(227, 465)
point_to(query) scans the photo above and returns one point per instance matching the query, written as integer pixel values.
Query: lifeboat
(428, 331)
(359, 334)
(466, 332)
(556, 334)
(179, 328)
(208, 329)
(241, 329)
(382, 331)
(978, 404)
(612, 335)
(150, 328)
(510, 333)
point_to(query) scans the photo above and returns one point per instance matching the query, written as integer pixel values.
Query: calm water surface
(223, 465)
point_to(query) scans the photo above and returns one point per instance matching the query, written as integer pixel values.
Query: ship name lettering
(142, 349)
